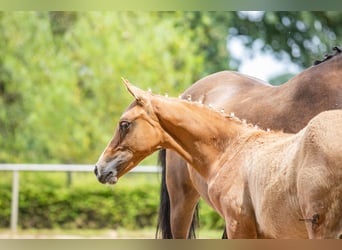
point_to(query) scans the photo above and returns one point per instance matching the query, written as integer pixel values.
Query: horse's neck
(197, 133)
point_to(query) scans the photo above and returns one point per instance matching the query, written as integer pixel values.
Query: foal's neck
(199, 134)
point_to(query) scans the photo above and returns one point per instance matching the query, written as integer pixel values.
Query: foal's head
(137, 135)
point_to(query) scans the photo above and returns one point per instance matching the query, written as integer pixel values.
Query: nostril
(95, 171)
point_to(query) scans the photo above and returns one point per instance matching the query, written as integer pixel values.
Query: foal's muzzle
(106, 176)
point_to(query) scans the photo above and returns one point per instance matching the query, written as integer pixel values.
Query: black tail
(224, 235)
(163, 225)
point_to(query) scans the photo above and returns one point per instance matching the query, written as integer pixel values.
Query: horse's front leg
(230, 199)
(181, 215)
(239, 216)
(183, 195)
(241, 228)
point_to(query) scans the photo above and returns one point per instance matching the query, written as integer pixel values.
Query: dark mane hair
(327, 57)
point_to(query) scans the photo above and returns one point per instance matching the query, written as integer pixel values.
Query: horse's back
(223, 80)
(223, 89)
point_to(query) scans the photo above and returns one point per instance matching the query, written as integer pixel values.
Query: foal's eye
(124, 125)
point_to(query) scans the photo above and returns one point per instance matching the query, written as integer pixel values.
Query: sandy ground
(148, 233)
(60, 235)
(46, 234)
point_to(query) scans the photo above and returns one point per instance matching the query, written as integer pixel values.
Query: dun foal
(288, 107)
(264, 184)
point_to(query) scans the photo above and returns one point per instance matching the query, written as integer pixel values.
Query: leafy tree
(304, 36)
(208, 33)
(60, 86)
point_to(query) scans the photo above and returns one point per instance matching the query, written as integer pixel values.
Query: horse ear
(138, 94)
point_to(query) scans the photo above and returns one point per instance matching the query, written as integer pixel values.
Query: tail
(163, 224)
(225, 235)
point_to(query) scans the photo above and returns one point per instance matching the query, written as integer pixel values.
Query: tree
(304, 36)
(60, 82)
(208, 33)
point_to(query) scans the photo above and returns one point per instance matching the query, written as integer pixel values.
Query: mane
(230, 116)
(327, 57)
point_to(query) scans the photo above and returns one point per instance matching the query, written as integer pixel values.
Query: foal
(288, 107)
(264, 184)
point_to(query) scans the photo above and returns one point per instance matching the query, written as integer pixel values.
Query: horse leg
(183, 195)
(243, 227)
(231, 199)
(240, 223)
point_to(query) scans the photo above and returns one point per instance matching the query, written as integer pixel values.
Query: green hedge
(46, 201)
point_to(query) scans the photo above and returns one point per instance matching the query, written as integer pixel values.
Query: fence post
(15, 201)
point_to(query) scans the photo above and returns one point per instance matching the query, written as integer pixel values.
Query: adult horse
(264, 184)
(288, 107)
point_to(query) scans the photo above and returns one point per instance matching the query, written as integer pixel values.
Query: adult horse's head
(137, 136)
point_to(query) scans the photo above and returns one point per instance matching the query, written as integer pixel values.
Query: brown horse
(264, 184)
(288, 107)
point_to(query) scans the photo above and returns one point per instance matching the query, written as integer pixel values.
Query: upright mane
(327, 57)
(230, 116)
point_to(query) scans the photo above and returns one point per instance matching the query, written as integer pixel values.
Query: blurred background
(61, 96)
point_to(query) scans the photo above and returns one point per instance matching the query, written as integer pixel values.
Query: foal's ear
(139, 95)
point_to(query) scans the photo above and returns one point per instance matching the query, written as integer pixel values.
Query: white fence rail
(16, 168)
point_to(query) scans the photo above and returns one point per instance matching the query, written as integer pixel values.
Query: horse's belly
(272, 180)
(280, 220)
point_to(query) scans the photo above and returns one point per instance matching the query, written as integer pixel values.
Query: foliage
(60, 82)
(304, 36)
(208, 33)
(208, 218)
(46, 202)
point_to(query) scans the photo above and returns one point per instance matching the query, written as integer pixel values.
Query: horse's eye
(124, 125)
